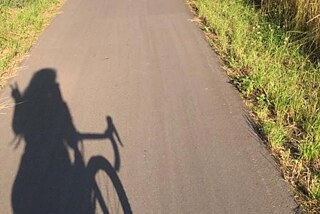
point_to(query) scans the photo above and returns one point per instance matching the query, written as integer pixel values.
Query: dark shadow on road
(47, 180)
(255, 128)
(257, 132)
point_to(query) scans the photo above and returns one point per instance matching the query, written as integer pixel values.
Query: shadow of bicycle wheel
(99, 163)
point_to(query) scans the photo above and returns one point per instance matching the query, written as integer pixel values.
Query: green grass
(279, 83)
(21, 22)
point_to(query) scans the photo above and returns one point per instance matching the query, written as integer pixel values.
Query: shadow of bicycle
(47, 180)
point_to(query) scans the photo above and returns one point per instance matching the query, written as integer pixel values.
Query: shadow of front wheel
(99, 163)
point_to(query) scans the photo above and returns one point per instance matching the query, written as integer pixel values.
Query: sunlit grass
(279, 83)
(300, 17)
(21, 22)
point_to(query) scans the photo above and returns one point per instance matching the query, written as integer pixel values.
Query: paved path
(187, 146)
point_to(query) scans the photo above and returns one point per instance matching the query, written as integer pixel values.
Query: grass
(279, 83)
(301, 17)
(21, 22)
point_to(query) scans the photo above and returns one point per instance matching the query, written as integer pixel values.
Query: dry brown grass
(299, 16)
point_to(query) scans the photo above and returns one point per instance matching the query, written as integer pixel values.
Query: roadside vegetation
(21, 22)
(270, 53)
(300, 17)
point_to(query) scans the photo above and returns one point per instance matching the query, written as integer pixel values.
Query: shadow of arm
(92, 136)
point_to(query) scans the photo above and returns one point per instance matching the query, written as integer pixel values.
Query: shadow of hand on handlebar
(112, 134)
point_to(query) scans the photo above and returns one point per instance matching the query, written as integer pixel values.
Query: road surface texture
(187, 144)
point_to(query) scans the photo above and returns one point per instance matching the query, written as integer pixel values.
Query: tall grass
(301, 17)
(21, 22)
(280, 85)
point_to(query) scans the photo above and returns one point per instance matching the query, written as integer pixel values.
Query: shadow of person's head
(42, 85)
(40, 110)
(44, 76)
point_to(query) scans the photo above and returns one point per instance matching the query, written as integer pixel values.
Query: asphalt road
(187, 144)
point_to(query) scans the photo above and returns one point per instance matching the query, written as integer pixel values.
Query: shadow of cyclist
(47, 181)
